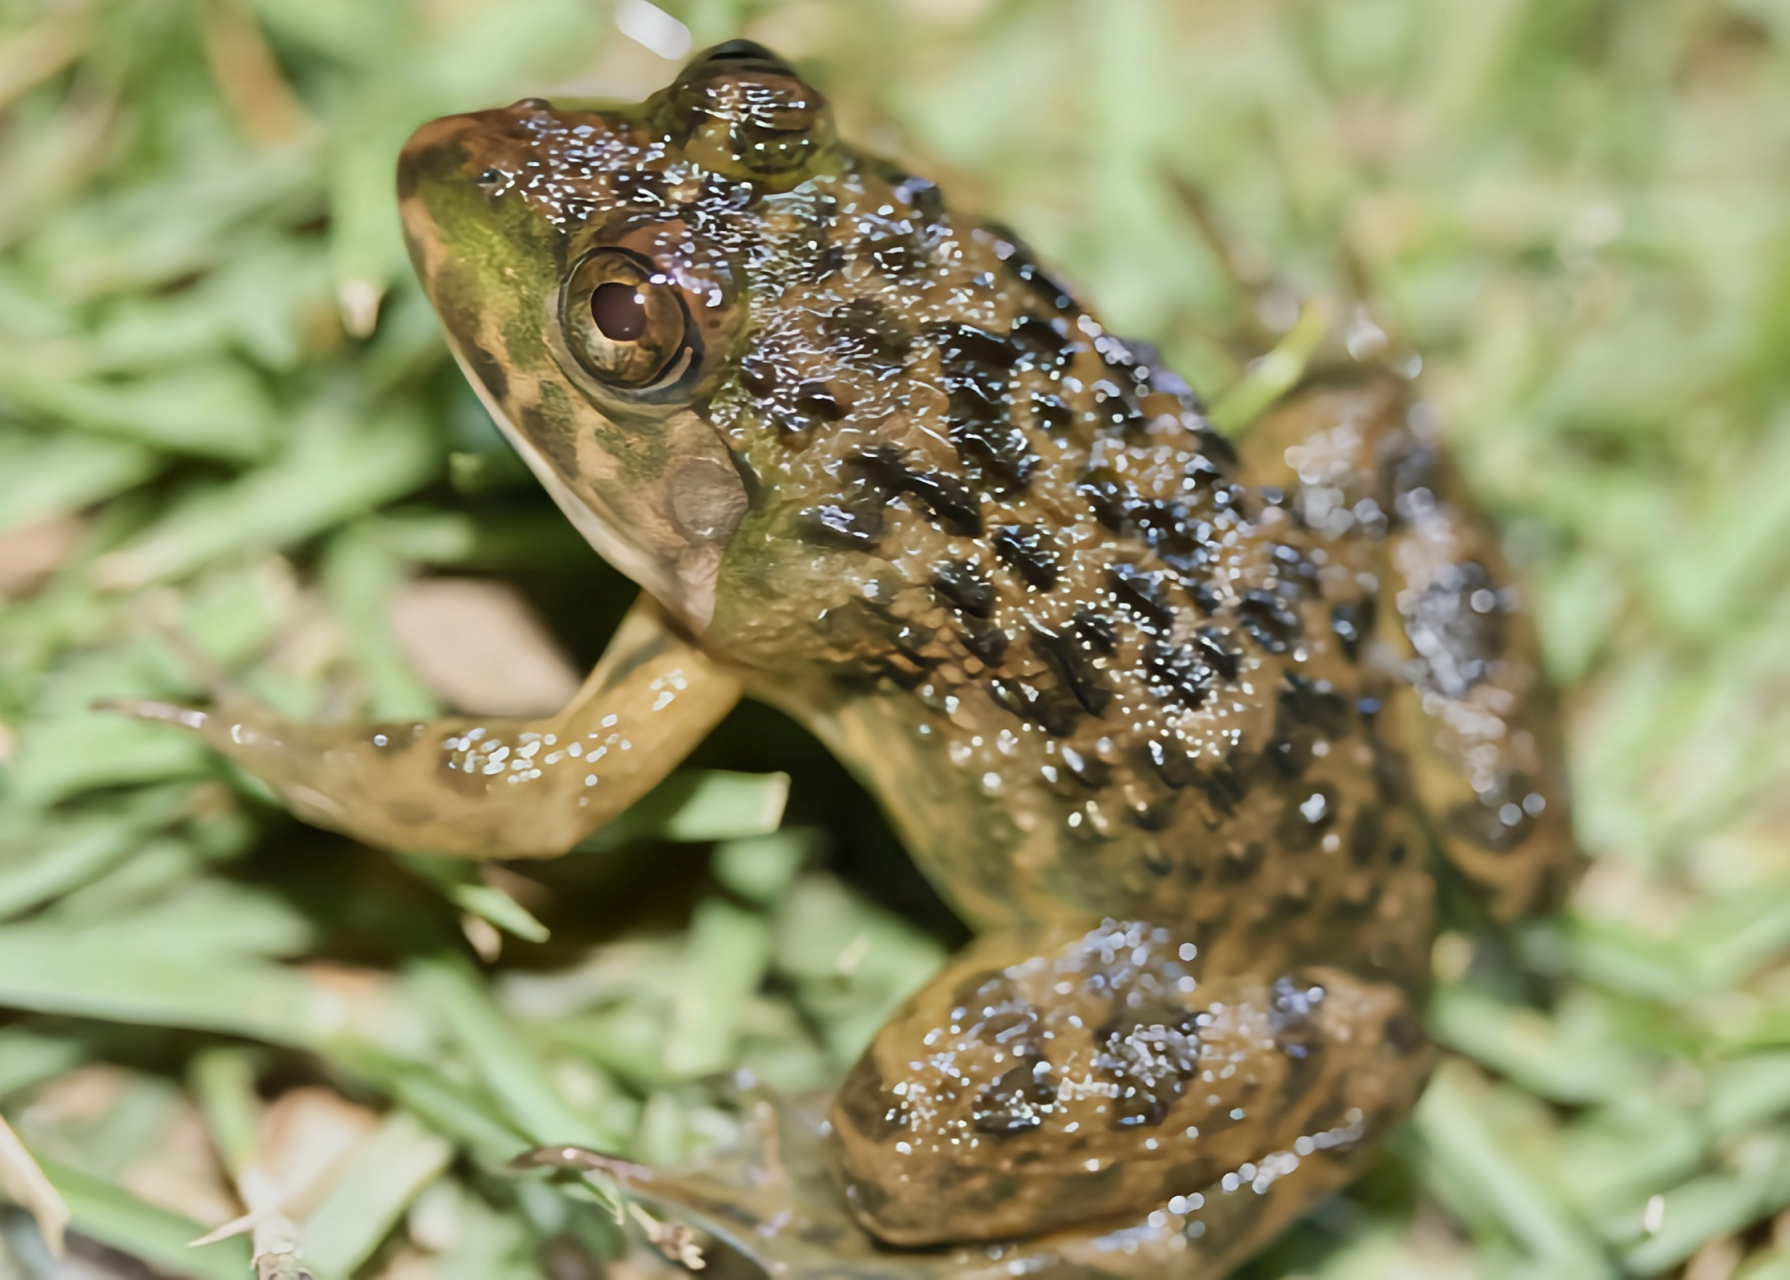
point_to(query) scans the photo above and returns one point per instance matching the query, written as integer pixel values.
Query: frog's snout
(436, 150)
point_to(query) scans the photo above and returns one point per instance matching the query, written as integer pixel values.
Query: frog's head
(589, 265)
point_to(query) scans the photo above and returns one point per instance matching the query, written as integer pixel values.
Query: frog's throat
(694, 601)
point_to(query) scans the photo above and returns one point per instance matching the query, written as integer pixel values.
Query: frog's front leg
(492, 787)
(1100, 1076)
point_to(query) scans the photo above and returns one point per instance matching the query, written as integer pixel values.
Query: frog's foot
(488, 788)
(768, 1205)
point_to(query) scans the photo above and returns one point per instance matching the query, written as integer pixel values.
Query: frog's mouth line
(598, 528)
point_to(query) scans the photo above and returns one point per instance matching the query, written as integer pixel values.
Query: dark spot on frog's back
(1172, 764)
(964, 587)
(1178, 674)
(963, 347)
(1269, 619)
(1017, 1101)
(1053, 709)
(920, 195)
(946, 499)
(1090, 771)
(1353, 622)
(1367, 835)
(863, 331)
(991, 442)
(849, 528)
(1497, 821)
(1226, 786)
(984, 639)
(895, 253)
(1070, 653)
(1051, 413)
(1143, 592)
(1236, 865)
(1293, 1004)
(1047, 340)
(1029, 552)
(1012, 251)
(758, 375)
(1214, 644)
(1316, 704)
(1149, 1062)
(818, 400)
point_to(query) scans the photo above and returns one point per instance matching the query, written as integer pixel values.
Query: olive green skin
(1096, 666)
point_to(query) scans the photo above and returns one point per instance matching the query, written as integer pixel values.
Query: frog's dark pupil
(619, 310)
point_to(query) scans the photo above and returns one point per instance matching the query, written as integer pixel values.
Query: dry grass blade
(26, 1184)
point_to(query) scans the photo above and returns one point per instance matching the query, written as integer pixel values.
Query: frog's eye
(626, 324)
(742, 112)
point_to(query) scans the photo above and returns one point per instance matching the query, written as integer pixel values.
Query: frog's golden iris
(626, 324)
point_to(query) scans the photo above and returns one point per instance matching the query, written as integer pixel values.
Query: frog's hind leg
(798, 1231)
(1087, 1077)
(490, 787)
(1436, 624)
(1203, 1236)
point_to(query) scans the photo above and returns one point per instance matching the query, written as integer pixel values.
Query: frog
(1187, 729)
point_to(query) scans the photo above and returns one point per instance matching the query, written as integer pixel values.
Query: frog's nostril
(745, 54)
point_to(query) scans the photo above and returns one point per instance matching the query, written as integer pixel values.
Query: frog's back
(1001, 561)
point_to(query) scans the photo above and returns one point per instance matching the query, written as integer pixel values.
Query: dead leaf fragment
(304, 1136)
(481, 647)
(249, 76)
(31, 554)
(182, 1173)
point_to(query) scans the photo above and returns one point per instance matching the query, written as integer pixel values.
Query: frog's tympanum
(1183, 732)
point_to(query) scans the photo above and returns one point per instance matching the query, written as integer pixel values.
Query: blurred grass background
(233, 455)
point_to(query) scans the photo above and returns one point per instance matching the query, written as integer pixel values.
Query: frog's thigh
(1454, 643)
(1090, 1076)
(1476, 719)
(484, 787)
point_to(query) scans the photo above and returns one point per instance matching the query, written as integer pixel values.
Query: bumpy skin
(1175, 731)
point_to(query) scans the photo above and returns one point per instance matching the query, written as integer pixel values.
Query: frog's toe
(230, 731)
(242, 730)
(766, 1206)
(151, 709)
